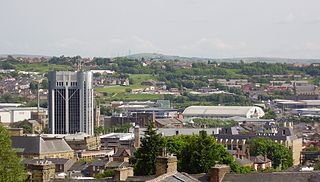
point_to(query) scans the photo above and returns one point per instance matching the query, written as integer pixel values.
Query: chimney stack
(136, 136)
(121, 174)
(167, 164)
(218, 172)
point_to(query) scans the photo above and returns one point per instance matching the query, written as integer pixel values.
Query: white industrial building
(222, 112)
(14, 114)
(311, 112)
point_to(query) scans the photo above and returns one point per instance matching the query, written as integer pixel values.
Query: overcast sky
(200, 28)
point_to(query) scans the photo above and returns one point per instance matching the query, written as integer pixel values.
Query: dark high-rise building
(70, 96)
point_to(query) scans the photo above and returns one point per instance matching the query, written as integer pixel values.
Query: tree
(96, 75)
(198, 153)
(27, 129)
(98, 130)
(33, 85)
(128, 90)
(10, 167)
(145, 157)
(277, 153)
(45, 84)
(105, 174)
(317, 165)
(106, 110)
(269, 114)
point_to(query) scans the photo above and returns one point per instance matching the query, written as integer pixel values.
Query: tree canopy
(198, 153)
(280, 155)
(145, 157)
(10, 167)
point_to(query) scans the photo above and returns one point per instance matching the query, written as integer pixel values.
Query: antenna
(79, 64)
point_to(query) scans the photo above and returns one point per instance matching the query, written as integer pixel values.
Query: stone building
(81, 141)
(77, 141)
(233, 140)
(41, 171)
(39, 148)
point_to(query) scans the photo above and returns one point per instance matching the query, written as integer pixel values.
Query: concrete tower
(70, 102)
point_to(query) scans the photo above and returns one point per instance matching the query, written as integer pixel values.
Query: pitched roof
(174, 177)
(121, 151)
(273, 177)
(99, 162)
(117, 164)
(37, 145)
(260, 159)
(243, 161)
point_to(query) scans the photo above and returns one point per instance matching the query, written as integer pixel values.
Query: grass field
(119, 92)
(42, 67)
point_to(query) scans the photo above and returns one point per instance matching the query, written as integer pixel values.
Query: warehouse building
(14, 114)
(222, 112)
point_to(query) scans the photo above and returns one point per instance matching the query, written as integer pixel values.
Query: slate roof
(117, 164)
(79, 166)
(260, 159)
(120, 151)
(37, 145)
(169, 177)
(99, 162)
(243, 161)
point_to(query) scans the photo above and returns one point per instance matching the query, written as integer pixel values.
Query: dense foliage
(269, 114)
(145, 157)
(198, 153)
(10, 167)
(277, 153)
(105, 174)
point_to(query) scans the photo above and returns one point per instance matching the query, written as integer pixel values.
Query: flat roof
(121, 136)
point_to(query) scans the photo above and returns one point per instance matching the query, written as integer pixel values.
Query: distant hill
(24, 56)
(162, 57)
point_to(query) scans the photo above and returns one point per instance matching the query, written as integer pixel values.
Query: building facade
(70, 98)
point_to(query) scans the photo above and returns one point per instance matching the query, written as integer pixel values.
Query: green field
(119, 92)
(41, 67)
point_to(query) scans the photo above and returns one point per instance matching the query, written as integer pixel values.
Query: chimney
(248, 153)
(265, 157)
(136, 137)
(290, 124)
(121, 174)
(167, 164)
(238, 153)
(285, 124)
(218, 172)
(42, 171)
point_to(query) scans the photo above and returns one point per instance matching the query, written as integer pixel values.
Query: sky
(193, 28)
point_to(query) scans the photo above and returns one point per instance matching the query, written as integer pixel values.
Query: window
(228, 147)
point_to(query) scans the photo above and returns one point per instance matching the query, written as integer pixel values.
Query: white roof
(218, 110)
(10, 104)
(21, 109)
(121, 136)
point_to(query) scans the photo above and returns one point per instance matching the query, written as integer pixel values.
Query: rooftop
(37, 145)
